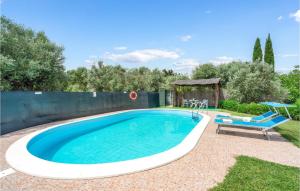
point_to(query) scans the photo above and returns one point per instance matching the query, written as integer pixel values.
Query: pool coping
(19, 158)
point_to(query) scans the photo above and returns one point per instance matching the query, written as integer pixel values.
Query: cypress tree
(257, 52)
(269, 54)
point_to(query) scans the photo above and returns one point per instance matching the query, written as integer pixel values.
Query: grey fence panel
(153, 100)
(24, 109)
(162, 97)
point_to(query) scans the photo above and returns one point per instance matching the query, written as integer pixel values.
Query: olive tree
(205, 71)
(107, 78)
(254, 83)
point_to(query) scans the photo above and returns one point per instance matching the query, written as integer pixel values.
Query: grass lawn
(253, 174)
(289, 130)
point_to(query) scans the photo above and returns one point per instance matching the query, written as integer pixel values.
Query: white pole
(287, 111)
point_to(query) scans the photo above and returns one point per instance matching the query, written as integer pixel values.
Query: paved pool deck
(201, 169)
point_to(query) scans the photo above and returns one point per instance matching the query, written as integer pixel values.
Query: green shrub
(296, 111)
(242, 108)
(257, 109)
(231, 105)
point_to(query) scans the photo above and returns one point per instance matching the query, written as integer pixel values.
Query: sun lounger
(263, 126)
(258, 118)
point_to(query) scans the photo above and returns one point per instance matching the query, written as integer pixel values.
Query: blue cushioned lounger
(263, 126)
(258, 118)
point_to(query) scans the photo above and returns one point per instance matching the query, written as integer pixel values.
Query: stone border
(19, 158)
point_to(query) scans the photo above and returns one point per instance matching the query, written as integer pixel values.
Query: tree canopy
(245, 82)
(205, 71)
(291, 81)
(77, 80)
(29, 60)
(254, 83)
(106, 78)
(109, 78)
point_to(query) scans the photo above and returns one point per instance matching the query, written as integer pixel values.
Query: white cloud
(186, 65)
(222, 60)
(287, 55)
(207, 12)
(296, 15)
(185, 38)
(280, 18)
(120, 48)
(142, 56)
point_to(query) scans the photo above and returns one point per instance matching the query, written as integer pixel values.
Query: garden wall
(20, 110)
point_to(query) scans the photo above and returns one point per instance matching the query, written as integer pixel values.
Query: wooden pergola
(213, 83)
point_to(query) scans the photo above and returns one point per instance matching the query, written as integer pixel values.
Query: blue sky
(177, 34)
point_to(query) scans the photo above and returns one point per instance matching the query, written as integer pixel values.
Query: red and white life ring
(133, 95)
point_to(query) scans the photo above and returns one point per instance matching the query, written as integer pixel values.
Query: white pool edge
(19, 158)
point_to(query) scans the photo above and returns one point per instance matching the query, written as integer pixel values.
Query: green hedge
(257, 109)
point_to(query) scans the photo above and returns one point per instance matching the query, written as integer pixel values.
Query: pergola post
(217, 94)
(174, 96)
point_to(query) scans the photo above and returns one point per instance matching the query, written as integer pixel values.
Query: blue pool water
(113, 138)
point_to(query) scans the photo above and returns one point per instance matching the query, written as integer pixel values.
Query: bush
(231, 105)
(242, 108)
(257, 109)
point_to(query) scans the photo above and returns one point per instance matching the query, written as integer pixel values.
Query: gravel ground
(201, 169)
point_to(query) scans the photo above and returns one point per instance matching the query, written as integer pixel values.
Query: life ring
(133, 95)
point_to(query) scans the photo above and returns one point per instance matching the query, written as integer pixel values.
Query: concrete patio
(201, 169)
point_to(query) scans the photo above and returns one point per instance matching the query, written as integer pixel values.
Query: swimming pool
(108, 145)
